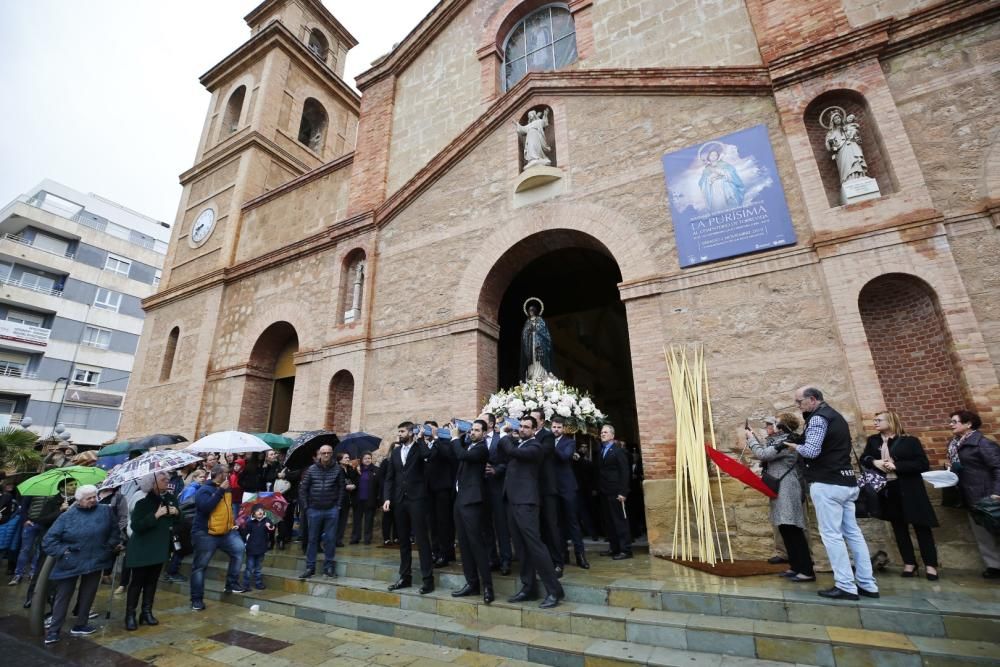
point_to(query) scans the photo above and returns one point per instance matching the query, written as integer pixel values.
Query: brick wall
(912, 351)
(341, 403)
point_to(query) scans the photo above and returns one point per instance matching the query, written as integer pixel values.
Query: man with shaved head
(321, 496)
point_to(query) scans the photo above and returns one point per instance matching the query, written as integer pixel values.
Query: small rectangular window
(31, 319)
(74, 416)
(107, 299)
(52, 244)
(157, 277)
(118, 265)
(96, 337)
(86, 377)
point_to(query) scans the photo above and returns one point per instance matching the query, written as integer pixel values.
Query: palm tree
(17, 449)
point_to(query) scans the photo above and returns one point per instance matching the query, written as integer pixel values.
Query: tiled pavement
(221, 635)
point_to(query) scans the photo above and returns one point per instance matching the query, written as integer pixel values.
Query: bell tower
(279, 109)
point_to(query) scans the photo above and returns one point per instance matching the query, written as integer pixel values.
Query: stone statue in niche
(843, 142)
(359, 278)
(316, 141)
(535, 145)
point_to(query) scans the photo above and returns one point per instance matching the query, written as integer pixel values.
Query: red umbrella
(737, 470)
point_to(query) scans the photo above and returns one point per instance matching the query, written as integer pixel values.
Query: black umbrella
(357, 443)
(157, 440)
(303, 451)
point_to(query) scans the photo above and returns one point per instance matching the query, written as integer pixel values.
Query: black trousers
(84, 600)
(925, 538)
(411, 519)
(342, 518)
(569, 519)
(443, 525)
(797, 547)
(497, 528)
(475, 557)
(388, 526)
(551, 532)
(143, 581)
(618, 537)
(364, 517)
(534, 555)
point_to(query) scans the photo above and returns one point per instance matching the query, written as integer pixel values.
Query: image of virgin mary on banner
(726, 198)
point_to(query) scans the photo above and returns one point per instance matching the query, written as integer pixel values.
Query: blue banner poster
(726, 198)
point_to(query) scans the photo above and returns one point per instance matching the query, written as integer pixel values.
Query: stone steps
(918, 611)
(578, 632)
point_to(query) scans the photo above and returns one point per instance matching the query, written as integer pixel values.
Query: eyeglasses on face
(955, 421)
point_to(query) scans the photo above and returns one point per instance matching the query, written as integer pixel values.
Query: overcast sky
(103, 95)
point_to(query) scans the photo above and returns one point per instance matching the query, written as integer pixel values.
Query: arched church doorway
(270, 381)
(576, 278)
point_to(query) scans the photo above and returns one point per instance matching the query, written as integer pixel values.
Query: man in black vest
(833, 489)
(406, 496)
(549, 488)
(521, 493)
(613, 476)
(470, 510)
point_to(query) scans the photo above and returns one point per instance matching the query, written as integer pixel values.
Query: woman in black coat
(901, 458)
(976, 460)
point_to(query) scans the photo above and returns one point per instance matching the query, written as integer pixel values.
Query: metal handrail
(103, 225)
(33, 288)
(11, 370)
(23, 241)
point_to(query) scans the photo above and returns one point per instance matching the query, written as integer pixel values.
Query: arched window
(168, 354)
(544, 40)
(318, 44)
(234, 108)
(312, 127)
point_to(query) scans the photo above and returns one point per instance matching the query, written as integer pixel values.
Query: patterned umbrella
(274, 505)
(147, 464)
(301, 454)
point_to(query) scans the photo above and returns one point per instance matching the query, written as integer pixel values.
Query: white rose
(530, 404)
(563, 410)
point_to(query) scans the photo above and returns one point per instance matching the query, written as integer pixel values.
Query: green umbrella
(276, 441)
(119, 448)
(47, 483)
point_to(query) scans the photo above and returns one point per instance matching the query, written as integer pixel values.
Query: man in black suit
(406, 495)
(548, 486)
(567, 487)
(441, 485)
(469, 510)
(612, 484)
(496, 531)
(521, 493)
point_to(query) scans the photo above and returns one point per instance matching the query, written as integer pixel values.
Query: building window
(107, 299)
(31, 319)
(157, 277)
(74, 416)
(168, 354)
(312, 127)
(38, 283)
(51, 244)
(96, 337)
(318, 44)
(86, 377)
(118, 265)
(545, 40)
(234, 109)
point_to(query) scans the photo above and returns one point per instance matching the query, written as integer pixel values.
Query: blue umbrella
(357, 443)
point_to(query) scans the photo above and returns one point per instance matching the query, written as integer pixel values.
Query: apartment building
(74, 269)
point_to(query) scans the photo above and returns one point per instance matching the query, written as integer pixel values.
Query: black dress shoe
(402, 582)
(426, 587)
(505, 569)
(523, 595)
(622, 556)
(609, 552)
(559, 571)
(465, 591)
(581, 561)
(549, 602)
(130, 623)
(867, 594)
(837, 594)
(440, 562)
(488, 595)
(777, 560)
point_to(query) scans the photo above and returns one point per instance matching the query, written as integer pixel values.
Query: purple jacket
(980, 473)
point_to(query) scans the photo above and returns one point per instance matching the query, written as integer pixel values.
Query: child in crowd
(258, 533)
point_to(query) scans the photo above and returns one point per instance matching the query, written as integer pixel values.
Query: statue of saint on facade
(843, 141)
(534, 138)
(536, 343)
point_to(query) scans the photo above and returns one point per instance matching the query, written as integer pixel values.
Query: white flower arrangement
(553, 397)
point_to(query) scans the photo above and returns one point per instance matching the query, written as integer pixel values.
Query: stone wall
(863, 12)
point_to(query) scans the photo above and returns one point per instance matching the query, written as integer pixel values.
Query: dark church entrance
(577, 280)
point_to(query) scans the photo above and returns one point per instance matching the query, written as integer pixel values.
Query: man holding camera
(833, 489)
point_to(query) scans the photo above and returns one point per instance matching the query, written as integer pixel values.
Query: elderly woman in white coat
(788, 510)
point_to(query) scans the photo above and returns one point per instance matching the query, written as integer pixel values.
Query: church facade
(349, 261)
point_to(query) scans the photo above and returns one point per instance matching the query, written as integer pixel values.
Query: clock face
(203, 225)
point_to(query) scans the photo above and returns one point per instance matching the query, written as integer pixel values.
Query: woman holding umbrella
(152, 520)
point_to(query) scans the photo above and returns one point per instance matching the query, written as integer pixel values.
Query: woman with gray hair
(151, 521)
(82, 541)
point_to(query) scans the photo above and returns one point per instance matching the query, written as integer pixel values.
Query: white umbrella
(229, 442)
(940, 479)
